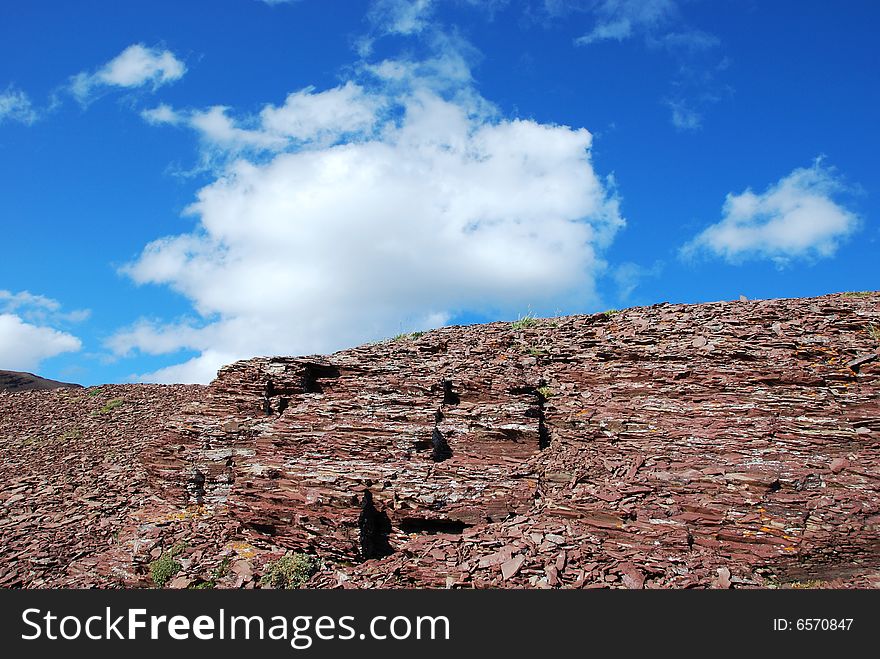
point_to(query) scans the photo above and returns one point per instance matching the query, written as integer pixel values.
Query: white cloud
(25, 338)
(161, 114)
(310, 116)
(23, 346)
(15, 105)
(136, 66)
(219, 130)
(795, 218)
(383, 205)
(305, 117)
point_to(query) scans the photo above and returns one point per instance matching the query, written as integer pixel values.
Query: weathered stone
(512, 567)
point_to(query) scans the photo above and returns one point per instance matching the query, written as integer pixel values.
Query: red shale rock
(726, 444)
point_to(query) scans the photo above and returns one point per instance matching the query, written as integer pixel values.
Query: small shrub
(874, 331)
(94, 391)
(545, 392)
(610, 312)
(290, 571)
(858, 293)
(163, 569)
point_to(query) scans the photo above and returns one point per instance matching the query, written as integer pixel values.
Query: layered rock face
(729, 444)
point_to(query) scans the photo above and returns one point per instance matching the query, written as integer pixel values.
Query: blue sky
(186, 184)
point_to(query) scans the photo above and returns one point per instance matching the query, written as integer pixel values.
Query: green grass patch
(407, 336)
(111, 405)
(529, 320)
(72, 435)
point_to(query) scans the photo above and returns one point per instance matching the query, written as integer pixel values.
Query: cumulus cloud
(15, 105)
(798, 217)
(389, 203)
(136, 66)
(25, 338)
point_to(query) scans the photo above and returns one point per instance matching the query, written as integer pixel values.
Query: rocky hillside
(732, 444)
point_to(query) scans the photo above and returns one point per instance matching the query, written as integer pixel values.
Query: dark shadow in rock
(432, 526)
(374, 528)
(449, 396)
(441, 450)
(313, 373)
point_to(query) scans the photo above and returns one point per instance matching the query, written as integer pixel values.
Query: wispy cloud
(660, 25)
(136, 66)
(401, 16)
(796, 218)
(684, 117)
(628, 276)
(619, 20)
(15, 105)
(38, 308)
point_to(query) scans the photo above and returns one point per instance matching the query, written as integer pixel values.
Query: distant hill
(17, 381)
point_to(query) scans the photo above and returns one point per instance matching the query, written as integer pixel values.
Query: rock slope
(731, 444)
